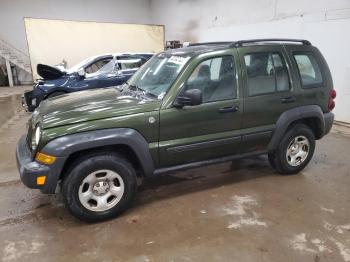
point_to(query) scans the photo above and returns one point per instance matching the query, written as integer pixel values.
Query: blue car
(94, 72)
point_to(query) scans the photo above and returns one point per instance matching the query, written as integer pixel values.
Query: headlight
(36, 137)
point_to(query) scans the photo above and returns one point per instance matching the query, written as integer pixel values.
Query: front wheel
(295, 150)
(99, 187)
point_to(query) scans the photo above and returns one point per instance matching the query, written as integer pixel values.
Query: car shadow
(161, 188)
(202, 179)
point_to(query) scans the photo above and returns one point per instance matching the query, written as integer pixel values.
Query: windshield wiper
(144, 92)
(136, 88)
(151, 95)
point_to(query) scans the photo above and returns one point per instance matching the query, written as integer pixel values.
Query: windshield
(156, 76)
(80, 65)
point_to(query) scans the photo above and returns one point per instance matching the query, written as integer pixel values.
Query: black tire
(278, 158)
(90, 164)
(271, 158)
(58, 93)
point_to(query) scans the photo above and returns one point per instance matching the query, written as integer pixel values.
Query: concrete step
(15, 56)
(5, 52)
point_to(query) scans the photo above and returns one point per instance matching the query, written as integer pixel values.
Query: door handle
(229, 109)
(289, 99)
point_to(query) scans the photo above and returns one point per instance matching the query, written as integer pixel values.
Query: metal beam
(9, 73)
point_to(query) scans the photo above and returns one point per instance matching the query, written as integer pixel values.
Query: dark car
(184, 108)
(94, 72)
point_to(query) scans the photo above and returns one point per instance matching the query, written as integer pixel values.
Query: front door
(208, 130)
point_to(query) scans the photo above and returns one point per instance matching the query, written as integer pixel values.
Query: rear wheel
(99, 187)
(295, 150)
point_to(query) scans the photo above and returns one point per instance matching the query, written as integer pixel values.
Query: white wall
(47, 40)
(12, 13)
(325, 23)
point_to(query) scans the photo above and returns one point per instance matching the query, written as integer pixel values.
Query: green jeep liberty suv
(187, 107)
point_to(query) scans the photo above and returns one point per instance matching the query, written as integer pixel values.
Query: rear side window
(129, 63)
(309, 70)
(267, 73)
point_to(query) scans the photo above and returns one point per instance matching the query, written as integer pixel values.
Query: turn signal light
(40, 180)
(45, 159)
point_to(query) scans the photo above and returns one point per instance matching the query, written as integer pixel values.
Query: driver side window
(215, 78)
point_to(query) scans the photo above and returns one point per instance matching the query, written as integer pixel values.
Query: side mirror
(191, 97)
(81, 72)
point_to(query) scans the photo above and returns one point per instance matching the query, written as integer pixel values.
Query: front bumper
(29, 170)
(24, 104)
(27, 101)
(29, 97)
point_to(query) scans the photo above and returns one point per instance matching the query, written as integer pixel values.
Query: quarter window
(309, 70)
(215, 78)
(267, 73)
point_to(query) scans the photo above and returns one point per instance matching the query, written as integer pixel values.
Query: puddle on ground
(9, 107)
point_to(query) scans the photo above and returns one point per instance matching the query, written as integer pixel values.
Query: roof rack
(242, 42)
(211, 43)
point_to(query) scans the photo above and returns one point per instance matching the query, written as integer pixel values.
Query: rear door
(208, 130)
(268, 92)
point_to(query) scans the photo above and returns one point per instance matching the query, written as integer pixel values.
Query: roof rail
(211, 43)
(242, 42)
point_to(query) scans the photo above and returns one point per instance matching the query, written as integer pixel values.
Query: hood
(92, 105)
(49, 72)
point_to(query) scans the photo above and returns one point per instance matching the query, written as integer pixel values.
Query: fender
(63, 147)
(292, 115)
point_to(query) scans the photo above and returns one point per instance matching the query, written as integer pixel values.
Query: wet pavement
(237, 211)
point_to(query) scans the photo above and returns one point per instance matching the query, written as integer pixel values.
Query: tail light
(331, 102)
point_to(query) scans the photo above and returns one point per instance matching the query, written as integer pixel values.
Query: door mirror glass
(81, 72)
(190, 97)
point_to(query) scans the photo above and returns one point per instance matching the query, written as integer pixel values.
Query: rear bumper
(328, 122)
(29, 170)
